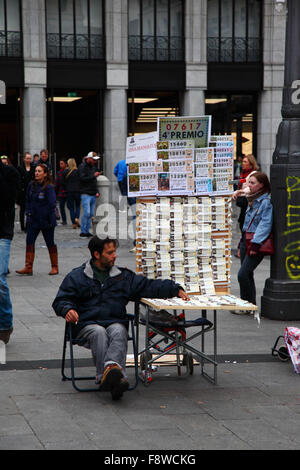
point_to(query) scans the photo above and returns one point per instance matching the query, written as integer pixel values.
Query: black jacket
(71, 181)
(26, 177)
(88, 180)
(106, 303)
(9, 187)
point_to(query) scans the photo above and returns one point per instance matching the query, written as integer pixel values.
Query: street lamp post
(281, 295)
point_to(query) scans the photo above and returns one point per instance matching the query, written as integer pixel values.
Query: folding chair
(68, 338)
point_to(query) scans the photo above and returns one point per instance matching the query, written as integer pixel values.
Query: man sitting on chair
(94, 297)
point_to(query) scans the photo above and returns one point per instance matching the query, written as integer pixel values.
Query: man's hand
(72, 316)
(183, 295)
(97, 173)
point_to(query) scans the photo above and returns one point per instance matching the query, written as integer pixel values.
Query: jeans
(73, 204)
(246, 273)
(88, 204)
(6, 316)
(108, 345)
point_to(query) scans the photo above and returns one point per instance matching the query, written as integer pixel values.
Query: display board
(186, 239)
(188, 166)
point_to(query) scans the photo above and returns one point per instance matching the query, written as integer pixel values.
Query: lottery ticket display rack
(187, 239)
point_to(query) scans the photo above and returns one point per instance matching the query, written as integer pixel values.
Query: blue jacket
(120, 170)
(106, 303)
(263, 220)
(40, 206)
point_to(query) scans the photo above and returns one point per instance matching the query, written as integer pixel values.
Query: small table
(196, 303)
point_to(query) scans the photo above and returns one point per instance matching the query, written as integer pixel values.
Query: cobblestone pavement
(255, 405)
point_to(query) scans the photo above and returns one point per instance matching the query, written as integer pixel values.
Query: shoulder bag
(267, 246)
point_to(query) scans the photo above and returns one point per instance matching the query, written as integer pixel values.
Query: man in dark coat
(89, 191)
(9, 187)
(94, 297)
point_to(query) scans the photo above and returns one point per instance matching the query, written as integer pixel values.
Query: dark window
(234, 31)
(156, 30)
(75, 29)
(10, 29)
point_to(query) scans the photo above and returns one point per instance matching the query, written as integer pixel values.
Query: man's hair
(96, 244)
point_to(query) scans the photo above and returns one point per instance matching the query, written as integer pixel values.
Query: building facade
(83, 75)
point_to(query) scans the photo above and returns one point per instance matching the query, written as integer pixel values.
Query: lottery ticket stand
(182, 179)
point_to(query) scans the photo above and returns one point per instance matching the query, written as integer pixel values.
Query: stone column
(270, 99)
(195, 54)
(35, 75)
(115, 98)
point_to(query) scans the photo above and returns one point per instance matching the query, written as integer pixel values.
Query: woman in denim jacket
(258, 220)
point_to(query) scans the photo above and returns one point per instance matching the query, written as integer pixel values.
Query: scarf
(243, 176)
(251, 197)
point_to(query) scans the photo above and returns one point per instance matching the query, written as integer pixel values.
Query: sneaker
(89, 234)
(5, 335)
(113, 381)
(83, 235)
(133, 250)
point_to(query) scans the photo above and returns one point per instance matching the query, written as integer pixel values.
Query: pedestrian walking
(71, 182)
(26, 170)
(61, 190)
(120, 171)
(40, 213)
(9, 187)
(89, 191)
(258, 221)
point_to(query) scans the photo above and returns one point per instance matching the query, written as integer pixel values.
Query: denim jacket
(262, 211)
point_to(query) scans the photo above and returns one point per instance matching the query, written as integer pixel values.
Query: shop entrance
(75, 125)
(234, 114)
(10, 135)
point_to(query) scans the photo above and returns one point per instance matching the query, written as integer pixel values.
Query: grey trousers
(108, 345)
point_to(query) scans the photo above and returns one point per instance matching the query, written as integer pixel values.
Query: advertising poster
(184, 128)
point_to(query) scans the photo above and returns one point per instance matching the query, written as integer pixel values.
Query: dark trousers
(62, 204)
(246, 273)
(73, 204)
(48, 234)
(22, 215)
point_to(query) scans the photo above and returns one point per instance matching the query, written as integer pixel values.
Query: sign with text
(194, 128)
(141, 148)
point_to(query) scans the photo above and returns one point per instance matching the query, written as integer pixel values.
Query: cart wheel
(145, 357)
(188, 361)
(283, 353)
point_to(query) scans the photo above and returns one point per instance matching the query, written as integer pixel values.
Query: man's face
(108, 257)
(44, 156)
(90, 161)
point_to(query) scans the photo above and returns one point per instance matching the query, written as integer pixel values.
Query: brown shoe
(77, 222)
(113, 381)
(5, 335)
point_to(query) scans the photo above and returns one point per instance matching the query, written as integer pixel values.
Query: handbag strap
(253, 217)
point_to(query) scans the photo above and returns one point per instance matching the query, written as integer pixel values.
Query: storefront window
(234, 31)
(10, 29)
(156, 30)
(75, 29)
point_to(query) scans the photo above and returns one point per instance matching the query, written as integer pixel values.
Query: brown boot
(29, 258)
(54, 260)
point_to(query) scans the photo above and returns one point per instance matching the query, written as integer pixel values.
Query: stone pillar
(270, 99)
(115, 98)
(35, 75)
(195, 54)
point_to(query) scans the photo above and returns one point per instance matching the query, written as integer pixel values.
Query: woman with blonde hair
(70, 180)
